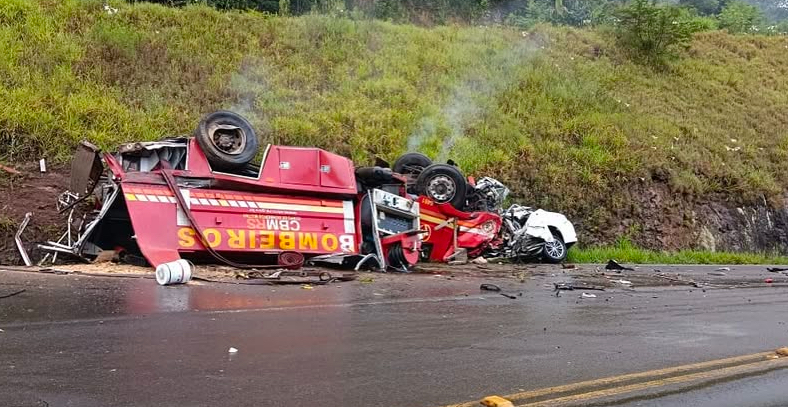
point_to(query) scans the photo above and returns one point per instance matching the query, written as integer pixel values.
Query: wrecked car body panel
(448, 230)
(540, 222)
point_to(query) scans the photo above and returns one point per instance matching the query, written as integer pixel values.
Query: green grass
(625, 252)
(559, 114)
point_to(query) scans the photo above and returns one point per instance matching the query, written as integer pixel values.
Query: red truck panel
(234, 221)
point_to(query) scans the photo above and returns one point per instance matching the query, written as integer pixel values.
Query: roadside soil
(23, 189)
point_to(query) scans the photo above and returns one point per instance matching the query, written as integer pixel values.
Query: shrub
(654, 33)
(738, 18)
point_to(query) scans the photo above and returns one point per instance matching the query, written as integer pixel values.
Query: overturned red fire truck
(214, 197)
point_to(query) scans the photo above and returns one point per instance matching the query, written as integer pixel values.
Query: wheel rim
(441, 188)
(554, 249)
(228, 139)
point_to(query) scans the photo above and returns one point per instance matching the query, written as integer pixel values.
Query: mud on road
(571, 279)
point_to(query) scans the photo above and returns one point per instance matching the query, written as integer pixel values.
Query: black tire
(443, 183)
(411, 163)
(227, 140)
(556, 251)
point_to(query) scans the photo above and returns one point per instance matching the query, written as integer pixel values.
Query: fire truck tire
(443, 183)
(227, 140)
(411, 163)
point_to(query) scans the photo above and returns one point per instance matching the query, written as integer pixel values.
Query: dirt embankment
(654, 217)
(651, 216)
(23, 189)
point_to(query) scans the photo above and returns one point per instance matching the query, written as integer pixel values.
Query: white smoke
(472, 93)
(249, 87)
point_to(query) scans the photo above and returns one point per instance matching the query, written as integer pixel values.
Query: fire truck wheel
(443, 183)
(411, 163)
(227, 139)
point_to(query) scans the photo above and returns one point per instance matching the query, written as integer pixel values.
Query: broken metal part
(81, 243)
(570, 287)
(145, 156)
(323, 277)
(776, 269)
(18, 239)
(13, 293)
(490, 287)
(86, 169)
(614, 265)
(366, 258)
(153, 145)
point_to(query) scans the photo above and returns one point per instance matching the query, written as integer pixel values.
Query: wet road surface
(403, 340)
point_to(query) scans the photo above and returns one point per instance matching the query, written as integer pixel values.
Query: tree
(654, 33)
(738, 17)
(703, 7)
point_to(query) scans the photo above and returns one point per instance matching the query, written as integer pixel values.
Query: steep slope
(664, 158)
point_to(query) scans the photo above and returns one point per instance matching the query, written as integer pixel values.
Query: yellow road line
(613, 380)
(708, 375)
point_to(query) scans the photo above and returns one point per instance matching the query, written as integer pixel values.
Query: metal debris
(13, 293)
(614, 265)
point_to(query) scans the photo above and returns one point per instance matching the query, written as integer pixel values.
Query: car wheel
(443, 183)
(555, 251)
(227, 140)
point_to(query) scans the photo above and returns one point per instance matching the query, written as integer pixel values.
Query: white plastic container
(174, 272)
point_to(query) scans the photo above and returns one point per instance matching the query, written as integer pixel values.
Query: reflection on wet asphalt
(413, 340)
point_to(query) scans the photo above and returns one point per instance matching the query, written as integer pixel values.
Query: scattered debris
(304, 277)
(479, 260)
(174, 272)
(495, 288)
(110, 10)
(679, 280)
(306, 287)
(18, 240)
(724, 269)
(587, 295)
(768, 281)
(776, 269)
(10, 169)
(571, 287)
(13, 293)
(42, 165)
(232, 350)
(366, 280)
(625, 282)
(106, 256)
(716, 273)
(614, 265)
(490, 287)
(568, 266)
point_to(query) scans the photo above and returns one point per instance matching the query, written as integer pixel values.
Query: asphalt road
(402, 340)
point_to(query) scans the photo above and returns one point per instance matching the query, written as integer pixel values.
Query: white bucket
(174, 272)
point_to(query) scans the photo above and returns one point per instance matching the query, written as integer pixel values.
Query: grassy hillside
(559, 113)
